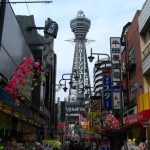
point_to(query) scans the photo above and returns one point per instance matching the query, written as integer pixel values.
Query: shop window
(132, 54)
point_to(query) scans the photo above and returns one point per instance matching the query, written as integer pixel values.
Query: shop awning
(140, 117)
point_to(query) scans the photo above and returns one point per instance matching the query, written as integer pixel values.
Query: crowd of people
(12, 144)
(75, 145)
(132, 145)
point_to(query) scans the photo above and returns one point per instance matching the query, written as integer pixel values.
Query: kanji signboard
(51, 28)
(107, 101)
(115, 51)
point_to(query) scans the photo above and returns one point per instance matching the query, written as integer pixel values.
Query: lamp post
(120, 83)
(91, 57)
(65, 78)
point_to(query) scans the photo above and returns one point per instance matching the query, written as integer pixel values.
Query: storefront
(137, 126)
(18, 120)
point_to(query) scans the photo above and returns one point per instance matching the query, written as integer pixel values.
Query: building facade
(132, 80)
(24, 115)
(144, 100)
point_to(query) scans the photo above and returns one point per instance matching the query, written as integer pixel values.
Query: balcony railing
(146, 51)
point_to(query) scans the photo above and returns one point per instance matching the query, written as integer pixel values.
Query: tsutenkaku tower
(80, 26)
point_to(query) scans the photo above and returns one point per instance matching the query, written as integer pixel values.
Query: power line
(27, 7)
(26, 2)
(19, 2)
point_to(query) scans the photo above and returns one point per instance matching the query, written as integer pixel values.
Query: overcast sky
(107, 20)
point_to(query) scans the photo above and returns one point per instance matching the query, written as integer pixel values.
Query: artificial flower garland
(23, 74)
(110, 122)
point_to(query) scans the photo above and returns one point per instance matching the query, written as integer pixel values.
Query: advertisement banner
(116, 97)
(107, 100)
(91, 116)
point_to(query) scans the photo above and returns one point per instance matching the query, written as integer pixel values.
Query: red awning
(140, 117)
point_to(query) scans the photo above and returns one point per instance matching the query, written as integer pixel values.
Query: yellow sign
(92, 116)
(143, 102)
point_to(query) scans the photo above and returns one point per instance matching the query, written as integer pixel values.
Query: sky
(108, 17)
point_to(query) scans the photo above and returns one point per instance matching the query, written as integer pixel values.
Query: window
(133, 90)
(131, 54)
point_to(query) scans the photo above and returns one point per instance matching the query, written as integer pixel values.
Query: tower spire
(80, 27)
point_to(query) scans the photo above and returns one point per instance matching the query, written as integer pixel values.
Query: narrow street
(75, 75)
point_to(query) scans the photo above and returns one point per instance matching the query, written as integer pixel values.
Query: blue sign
(116, 89)
(107, 100)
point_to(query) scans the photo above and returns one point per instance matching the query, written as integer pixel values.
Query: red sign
(139, 117)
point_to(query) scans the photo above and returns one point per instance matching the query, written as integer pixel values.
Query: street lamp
(98, 54)
(106, 61)
(64, 77)
(64, 84)
(113, 66)
(66, 74)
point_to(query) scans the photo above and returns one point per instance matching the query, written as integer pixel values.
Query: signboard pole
(115, 50)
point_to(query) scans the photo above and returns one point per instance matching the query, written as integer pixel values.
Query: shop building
(25, 117)
(132, 81)
(144, 98)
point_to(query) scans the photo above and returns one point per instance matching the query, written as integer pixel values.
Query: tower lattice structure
(80, 27)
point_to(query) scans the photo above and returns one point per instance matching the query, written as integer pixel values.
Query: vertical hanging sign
(115, 51)
(107, 101)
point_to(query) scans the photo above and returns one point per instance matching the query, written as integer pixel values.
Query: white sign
(116, 100)
(115, 51)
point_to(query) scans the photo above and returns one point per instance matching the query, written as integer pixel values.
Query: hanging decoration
(26, 73)
(110, 122)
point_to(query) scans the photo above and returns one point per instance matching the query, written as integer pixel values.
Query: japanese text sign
(107, 101)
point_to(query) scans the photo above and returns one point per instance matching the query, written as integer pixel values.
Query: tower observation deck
(80, 27)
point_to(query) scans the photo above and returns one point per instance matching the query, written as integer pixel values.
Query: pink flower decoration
(24, 70)
(36, 64)
(38, 72)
